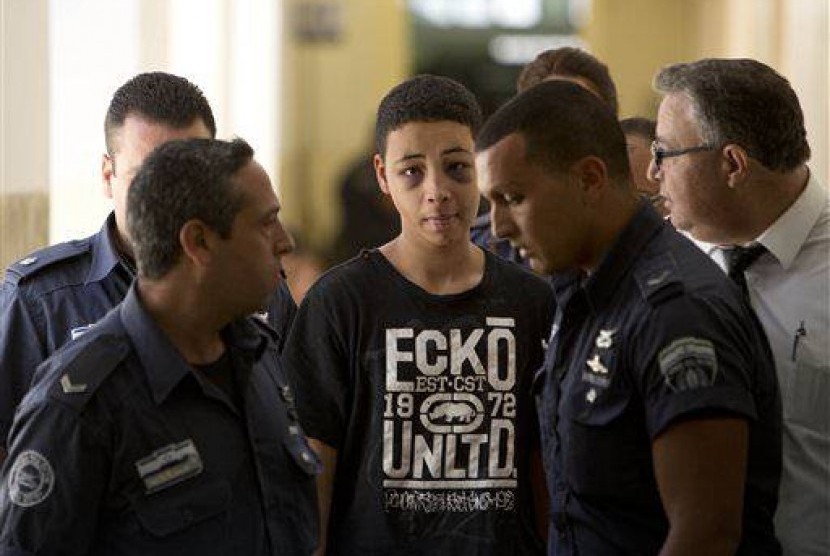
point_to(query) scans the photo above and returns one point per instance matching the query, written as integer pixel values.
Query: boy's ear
(380, 173)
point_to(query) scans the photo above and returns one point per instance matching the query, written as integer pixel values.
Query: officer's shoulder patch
(35, 263)
(659, 279)
(81, 367)
(688, 363)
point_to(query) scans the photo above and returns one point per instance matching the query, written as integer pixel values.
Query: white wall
(229, 48)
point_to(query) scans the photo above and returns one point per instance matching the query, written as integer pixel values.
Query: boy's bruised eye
(460, 171)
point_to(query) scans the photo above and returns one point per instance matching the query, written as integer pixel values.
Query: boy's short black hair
(426, 98)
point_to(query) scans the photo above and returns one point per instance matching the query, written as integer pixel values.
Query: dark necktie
(738, 259)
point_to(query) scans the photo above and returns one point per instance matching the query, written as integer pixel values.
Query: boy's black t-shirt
(427, 400)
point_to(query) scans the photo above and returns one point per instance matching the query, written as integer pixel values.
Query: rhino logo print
(451, 412)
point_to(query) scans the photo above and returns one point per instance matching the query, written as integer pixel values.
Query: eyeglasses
(660, 153)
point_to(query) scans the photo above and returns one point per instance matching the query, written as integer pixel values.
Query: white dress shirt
(789, 287)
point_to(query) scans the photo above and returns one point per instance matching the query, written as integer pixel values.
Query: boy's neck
(445, 270)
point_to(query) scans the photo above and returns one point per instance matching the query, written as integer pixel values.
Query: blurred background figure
(639, 133)
(302, 267)
(571, 64)
(368, 218)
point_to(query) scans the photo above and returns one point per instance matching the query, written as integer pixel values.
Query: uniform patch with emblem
(31, 479)
(688, 364)
(169, 466)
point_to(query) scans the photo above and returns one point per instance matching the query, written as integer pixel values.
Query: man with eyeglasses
(731, 158)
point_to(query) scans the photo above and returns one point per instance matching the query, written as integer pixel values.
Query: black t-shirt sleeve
(316, 360)
(691, 356)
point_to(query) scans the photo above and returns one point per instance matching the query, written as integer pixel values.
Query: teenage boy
(412, 362)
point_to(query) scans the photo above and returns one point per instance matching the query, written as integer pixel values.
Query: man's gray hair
(745, 102)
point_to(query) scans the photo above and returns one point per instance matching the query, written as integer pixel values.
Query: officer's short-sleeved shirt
(122, 448)
(657, 334)
(53, 296)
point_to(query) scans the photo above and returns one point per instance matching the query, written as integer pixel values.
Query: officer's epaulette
(31, 265)
(659, 278)
(81, 367)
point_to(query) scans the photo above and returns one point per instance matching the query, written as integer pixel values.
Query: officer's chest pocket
(808, 403)
(606, 447)
(178, 510)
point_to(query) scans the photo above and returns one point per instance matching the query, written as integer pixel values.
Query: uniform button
(306, 457)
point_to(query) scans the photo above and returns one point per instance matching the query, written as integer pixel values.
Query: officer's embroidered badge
(688, 363)
(605, 339)
(31, 479)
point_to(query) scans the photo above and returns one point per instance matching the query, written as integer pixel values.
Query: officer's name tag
(169, 466)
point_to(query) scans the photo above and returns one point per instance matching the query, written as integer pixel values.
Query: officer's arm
(54, 482)
(325, 487)
(21, 352)
(700, 467)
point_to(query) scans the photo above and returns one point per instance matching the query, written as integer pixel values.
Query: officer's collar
(629, 245)
(244, 334)
(104, 252)
(163, 364)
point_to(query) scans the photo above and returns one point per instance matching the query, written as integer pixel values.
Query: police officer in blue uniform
(169, 426)
(55, 294)
(659, 408)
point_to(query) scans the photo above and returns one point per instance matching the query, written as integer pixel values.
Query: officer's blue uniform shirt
(657, 334)
(121, 448)
(55, 294)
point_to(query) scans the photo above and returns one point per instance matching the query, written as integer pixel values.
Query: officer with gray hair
(169, 427)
